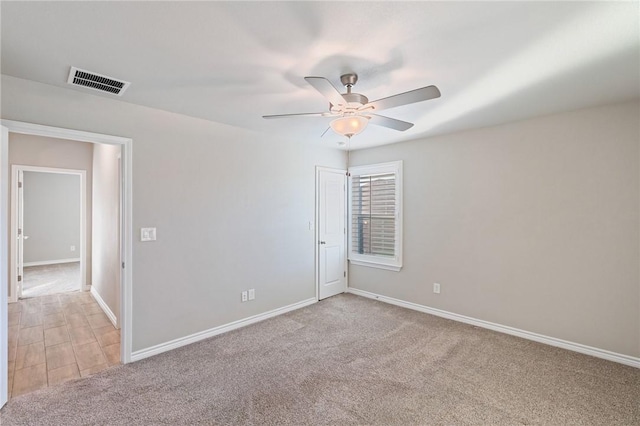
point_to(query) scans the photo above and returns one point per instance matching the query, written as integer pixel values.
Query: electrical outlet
(244, 296)
(73, 248)
(252, 293)
(436, 288)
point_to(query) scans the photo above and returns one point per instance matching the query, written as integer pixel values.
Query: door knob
(26, 237)
(323, 242)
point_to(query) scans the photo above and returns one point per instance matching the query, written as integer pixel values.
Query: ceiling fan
(353, 111)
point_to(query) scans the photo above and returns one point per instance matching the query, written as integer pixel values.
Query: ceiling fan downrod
(349, 80)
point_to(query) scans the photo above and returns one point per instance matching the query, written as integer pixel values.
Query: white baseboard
(202, 335)
(50, 262)
(576, 347)
(105, 308)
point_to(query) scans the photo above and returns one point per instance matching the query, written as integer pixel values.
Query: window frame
(371, 260)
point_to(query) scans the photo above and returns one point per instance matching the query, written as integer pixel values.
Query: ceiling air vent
(95, 81)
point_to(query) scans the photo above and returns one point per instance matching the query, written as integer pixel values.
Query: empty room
(367, 213)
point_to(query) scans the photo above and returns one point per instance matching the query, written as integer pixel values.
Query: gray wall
(49, 152)
(51, 216)
(231, 207)
(105, 278)
(533, 225)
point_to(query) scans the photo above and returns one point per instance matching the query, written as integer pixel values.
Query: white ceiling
(232, 62)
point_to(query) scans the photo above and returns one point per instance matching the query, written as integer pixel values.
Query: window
(375, 200)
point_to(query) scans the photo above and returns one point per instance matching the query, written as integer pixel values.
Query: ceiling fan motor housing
(354, 100)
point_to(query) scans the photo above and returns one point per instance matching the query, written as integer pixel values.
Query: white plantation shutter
(375, 221)
(373, 215)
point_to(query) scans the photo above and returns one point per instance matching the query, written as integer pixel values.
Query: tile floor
(57, 338)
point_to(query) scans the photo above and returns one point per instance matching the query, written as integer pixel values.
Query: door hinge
(19, 231)
(122, 265)
(19, 184)
(345, 274)
(19, 278)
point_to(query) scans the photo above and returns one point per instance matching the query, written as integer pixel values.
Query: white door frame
(317, 233)
(126, 279)
(15, 169)
(4, 262)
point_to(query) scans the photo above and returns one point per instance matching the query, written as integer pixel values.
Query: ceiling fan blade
(413, 96)
(304, 114)
(327, 90)
(392, 123)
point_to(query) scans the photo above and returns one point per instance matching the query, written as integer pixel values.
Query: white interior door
(331, 235)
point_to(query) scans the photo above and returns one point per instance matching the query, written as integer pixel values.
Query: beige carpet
(347, 360)
(50, 279)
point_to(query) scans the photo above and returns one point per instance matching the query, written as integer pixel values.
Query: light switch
(147, 234)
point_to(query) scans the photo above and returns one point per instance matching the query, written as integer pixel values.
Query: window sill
(395, 268)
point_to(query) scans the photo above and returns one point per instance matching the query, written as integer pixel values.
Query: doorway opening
(76, 323)
(48, 230)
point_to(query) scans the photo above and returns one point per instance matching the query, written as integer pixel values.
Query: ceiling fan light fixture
(350, 125)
